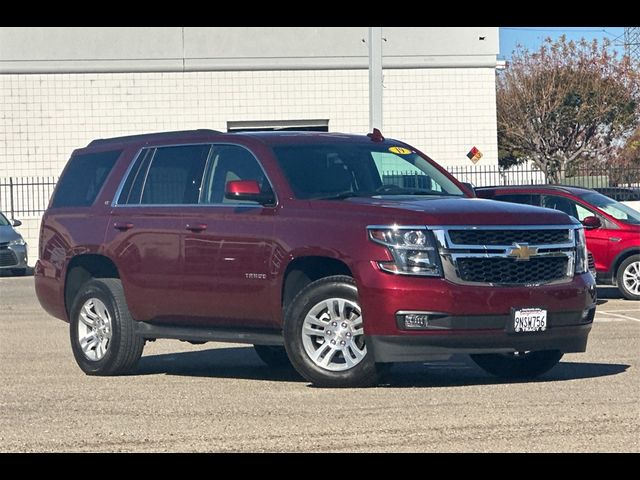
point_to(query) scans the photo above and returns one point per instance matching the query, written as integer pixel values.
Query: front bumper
(470, 319)
(13, 257)
(561, 335)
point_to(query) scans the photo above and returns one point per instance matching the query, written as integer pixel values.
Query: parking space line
(623, 316)
(608, 320)
(622, 311)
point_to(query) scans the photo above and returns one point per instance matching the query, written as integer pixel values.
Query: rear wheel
(324, 335)
(273, 355)
(519, 364)
(102, 331)
(628, 278)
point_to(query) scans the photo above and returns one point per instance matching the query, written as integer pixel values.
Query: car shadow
(243, 363)
(609, 293)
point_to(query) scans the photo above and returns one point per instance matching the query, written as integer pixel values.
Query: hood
(7, 233)
(462, 211)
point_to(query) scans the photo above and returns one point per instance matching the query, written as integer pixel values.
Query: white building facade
(61, 88)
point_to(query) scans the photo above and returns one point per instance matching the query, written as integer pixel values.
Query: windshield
(3, 221)
(334, 171)
(616, 209)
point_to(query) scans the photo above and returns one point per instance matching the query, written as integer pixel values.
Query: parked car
(626, 196)
(312, 248)
(612, 229)
(13, 248)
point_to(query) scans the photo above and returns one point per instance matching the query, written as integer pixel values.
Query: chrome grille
(8, 258)
(510, 271)
(508, 237)
(511, 255)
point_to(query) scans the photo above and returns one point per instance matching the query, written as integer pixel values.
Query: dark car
(612, 229)
(13, 248)
(335, 252)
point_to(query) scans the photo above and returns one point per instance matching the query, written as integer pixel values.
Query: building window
(279, 125)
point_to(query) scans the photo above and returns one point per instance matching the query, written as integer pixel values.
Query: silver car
(13, 248)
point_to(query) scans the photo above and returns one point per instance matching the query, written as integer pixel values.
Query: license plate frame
(528, 320)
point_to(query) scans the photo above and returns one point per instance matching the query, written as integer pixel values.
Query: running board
(200, 334)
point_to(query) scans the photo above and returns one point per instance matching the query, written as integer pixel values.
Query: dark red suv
(612, 229)
(335, 252)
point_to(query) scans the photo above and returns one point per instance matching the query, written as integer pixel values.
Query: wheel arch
(81, 269)
(621, 257)
(301, 271)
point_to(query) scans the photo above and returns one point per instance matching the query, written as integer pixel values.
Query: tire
(19, 272)
(522, 365)
(342, 357)
(628, 278)
(272, 355)
(114, 348)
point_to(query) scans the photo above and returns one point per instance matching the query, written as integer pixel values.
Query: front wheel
(324, 335)
(628, 278)
(519, 364)
(103, 337)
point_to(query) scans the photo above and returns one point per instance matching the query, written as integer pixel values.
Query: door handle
(123, 226)
(196, 227)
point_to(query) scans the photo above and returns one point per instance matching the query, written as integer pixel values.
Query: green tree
(566, 104)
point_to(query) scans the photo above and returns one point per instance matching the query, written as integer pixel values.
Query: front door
(227, 245)
(598, 239)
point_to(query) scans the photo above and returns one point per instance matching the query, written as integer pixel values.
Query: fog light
(413, 321)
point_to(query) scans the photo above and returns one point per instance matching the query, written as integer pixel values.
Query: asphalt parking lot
(220, 397)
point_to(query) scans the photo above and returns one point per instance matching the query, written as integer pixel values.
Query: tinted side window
(83, 179)
(229, 163)
(175, 175)
(526, 199)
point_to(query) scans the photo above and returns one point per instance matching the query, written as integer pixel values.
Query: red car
(612, 229)
(335, 252)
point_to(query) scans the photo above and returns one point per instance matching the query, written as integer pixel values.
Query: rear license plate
(529, 320)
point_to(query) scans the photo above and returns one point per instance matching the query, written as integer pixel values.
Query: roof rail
(151, 136)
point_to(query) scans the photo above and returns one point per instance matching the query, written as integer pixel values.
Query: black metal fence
(29, 196)
(25, 196)
(601, 177)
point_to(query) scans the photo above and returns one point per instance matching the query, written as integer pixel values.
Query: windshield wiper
(342, 195)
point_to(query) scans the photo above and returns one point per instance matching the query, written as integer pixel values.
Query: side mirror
(16, 223)
(470, 187)
(247, 190)
(591, 222)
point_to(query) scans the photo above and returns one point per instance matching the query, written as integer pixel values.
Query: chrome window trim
(123, 180)
(114, 202)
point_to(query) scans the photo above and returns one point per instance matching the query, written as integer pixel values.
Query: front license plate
(529, 320)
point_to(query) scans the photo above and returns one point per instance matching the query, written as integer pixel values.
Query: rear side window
(83, 179)
(175, 175)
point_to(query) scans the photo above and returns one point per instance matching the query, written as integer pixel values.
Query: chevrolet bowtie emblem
(522, 252)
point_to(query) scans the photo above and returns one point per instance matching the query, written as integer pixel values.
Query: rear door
(145, 229)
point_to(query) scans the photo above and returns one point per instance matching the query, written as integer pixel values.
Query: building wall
(126, 49)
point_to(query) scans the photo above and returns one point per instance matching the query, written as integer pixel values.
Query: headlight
(582, 257)
(412, 248)
(17, 242)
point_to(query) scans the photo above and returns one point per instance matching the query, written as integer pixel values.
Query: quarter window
(83, 179)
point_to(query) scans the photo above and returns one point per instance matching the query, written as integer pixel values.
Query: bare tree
(566, 104)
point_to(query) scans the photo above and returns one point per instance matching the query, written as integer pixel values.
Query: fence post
(11, 197)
